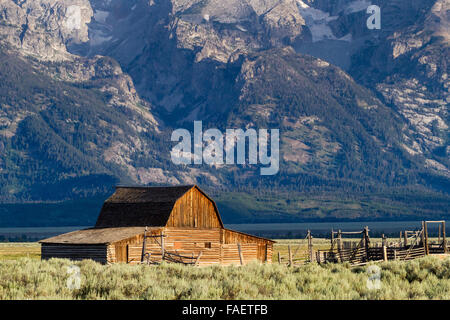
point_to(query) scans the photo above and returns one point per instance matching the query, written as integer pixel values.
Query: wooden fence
(411, 245)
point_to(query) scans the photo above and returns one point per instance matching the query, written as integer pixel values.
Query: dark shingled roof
(140, 206)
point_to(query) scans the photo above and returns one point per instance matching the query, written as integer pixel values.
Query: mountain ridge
(90, 106)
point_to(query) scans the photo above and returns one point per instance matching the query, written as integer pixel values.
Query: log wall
(192, 241)
(264, 247)
(230, 253)
(183, 241)
(216, 245)
(97, 253)
(118, 251)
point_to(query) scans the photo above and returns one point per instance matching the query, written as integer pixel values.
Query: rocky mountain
(64, 118)
(185, 54)
(92, 89)
(40, 29)
(414, 80)
(169, 46)
(324, 116)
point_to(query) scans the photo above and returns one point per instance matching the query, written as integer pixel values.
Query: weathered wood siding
(135, 251)
(194, 210)
(269, 252)
(217, 245)
(75, 252)
(230, 236)
(264, 247)
(183, 241)
(118, 251)
(230, 253)
(192, 241)
(111, 254)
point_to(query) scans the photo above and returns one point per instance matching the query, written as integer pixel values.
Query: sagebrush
(427, 278)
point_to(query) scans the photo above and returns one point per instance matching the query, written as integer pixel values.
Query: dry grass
(14, 251)
(24, 276)
(31, 278)
(427, 278)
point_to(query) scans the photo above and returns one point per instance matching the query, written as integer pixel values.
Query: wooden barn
(151, 224)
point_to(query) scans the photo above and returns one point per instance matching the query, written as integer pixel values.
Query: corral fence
(359, 250)
(299, 253)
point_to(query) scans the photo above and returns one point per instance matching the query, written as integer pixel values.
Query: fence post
(422, 238)
(339, 244)
(163, 249)
(290, 256)
(425, 237)
(241, 258)
(144, 245)
(279, 258)
(385, 256)
(406, 238)
(198, 258)
(332, 239)
(339, 240)
(443, 236)
(310, 246)
(367, 241)
(439, 233)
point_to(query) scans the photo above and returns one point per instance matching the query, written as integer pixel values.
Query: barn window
(208, 245)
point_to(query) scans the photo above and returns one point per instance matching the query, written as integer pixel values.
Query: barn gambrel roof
(143, 206)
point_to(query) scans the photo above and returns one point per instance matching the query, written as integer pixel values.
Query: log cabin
(152, 224)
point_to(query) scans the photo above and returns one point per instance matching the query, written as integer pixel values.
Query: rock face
(43, 28)
(70, 121)
(71, 117)
(409, 67)
(171, 47)
(301, 97)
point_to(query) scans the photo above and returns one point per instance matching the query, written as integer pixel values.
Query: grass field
(13, 250)
(30, 278)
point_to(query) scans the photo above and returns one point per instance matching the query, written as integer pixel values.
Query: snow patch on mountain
(101, 16)
(318, 23)
(357, 6)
